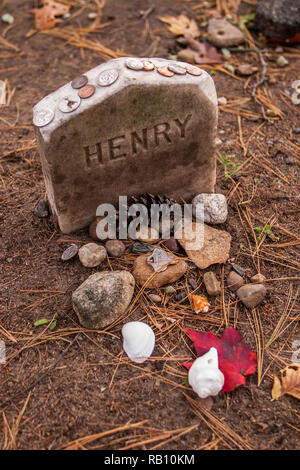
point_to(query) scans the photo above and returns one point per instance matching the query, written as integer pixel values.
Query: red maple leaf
(235, 357)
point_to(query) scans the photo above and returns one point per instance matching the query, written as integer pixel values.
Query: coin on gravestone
(107, 77)
(86, 91)
(165, 71)
(134, 64)
(177, 69)
(193, 70)
(79, 82)
(42, 117)
(69, 103)
(148, 65)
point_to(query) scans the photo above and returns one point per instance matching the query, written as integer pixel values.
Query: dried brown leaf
(46, 17)
(288, 383)
(180, 24)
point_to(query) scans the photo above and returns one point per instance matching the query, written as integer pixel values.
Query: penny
(79, 82)
(179, 69)
(134, 64)
(70, 252)
(42, 117)
(69, 103)
(86, 91)
(107, 77)
(165, 71)
(193, 70)
(148, 66)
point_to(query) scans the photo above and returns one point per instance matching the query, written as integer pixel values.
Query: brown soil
(49, 400)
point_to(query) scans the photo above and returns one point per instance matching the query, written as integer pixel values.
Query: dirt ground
(59, 387)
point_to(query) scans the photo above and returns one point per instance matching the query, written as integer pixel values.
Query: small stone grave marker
(128, 126)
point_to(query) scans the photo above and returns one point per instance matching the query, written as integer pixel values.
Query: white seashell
(205, 377)
(138, 341)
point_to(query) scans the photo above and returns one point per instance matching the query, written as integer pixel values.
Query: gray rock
(102, 298)
(223, 34)
(91, 255)
(234, 281)
(215, 208)
(251, 294)
(278, 18)
(115, 248)
(42, 209)
(155, 298)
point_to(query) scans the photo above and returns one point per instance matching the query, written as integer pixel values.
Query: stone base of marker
(141, 130)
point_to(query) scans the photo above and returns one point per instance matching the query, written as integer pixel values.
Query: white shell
(138, 341)
(205, 377)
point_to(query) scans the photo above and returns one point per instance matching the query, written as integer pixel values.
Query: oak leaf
(46, 17)
(180, 24)
(289, 382)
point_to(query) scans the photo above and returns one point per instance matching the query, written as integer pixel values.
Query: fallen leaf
(180, 24)
(46, 17)
(202, 52)
(289, 382)
(235, 357)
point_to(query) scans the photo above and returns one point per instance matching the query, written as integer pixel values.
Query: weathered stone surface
(142, 271)
(258, 278)
(234, 281)
(212, 285)
(278, 18)
(223, 34)
(251, 294)
(142, 133)
(115, 248)
(91, 255)
(103, 297)
(215, 249)
(215, 207)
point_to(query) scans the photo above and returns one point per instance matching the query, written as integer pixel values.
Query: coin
(165, 71)
(107, 77)
(134, 64)
(42, 117)
(193, 70)
(69, 103)
(148, 65)
(179, 69)
(70, 252)
(86, 91)
(79, 82)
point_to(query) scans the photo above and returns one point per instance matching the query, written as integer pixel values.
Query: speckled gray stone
(215, 207)
(103, 297)
(251, 294)
(144, 132)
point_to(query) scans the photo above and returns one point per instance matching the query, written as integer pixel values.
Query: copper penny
(165, 71)
(148, 66)
(86, 91)
(193, 70)
(79, 82)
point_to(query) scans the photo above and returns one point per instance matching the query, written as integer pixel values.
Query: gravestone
(128, 126)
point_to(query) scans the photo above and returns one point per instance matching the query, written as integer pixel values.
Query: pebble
(170, 290)
(70, 252)
(214, 249)
(282, 61)
(172, 245)
(7, 18)
(181, 295)
(91, 255)
(193, 284)
(102, 298)
(246, 69)
(296, 130)
(252, 294)
(258, 278)
(140, 248)
(221, 33)
(115, 248)
(155, 298)
(142, 271)
(222, 100)
(238, 269)
(212, 285)
(215, 207)
(42, 209)
(218, 141)
(234, 281)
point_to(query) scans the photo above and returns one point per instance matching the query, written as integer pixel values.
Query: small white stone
(215, 207)
(218, 141)
(222, 100)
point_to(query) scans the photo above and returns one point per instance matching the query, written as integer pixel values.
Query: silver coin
(42, 117)
(107, 77)
(69, 103)
(70, 252)
(179, 69)
(134, 64)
